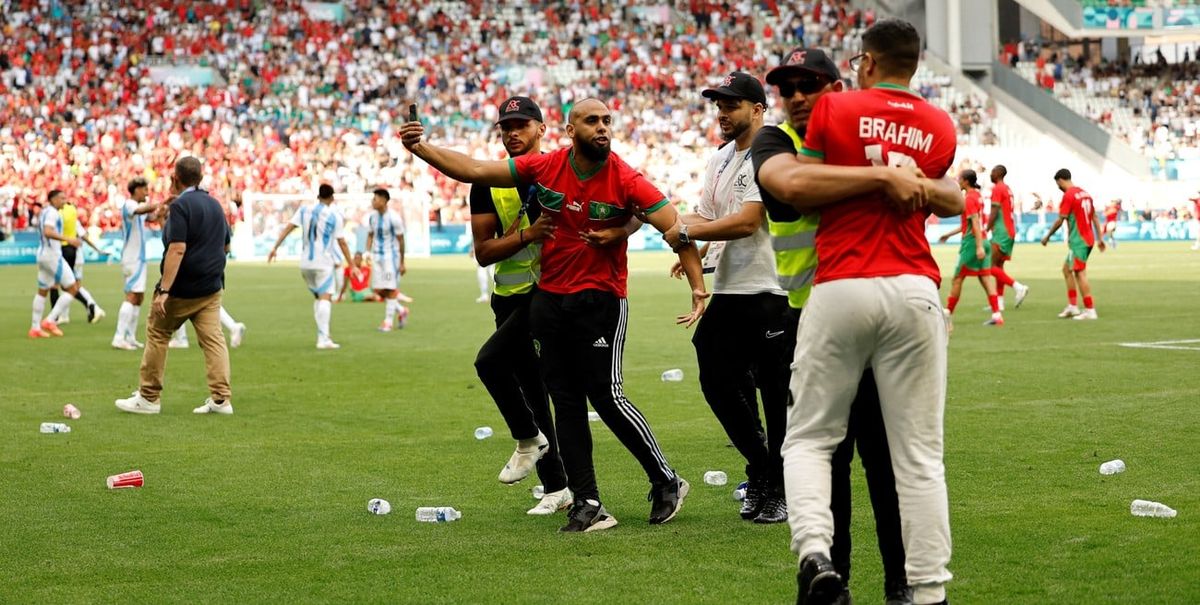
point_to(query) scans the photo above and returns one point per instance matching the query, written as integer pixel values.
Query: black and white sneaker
(818, 581)
(753, 502)
(587, 515)
(666, 499)
(774, 510)
(897, 594)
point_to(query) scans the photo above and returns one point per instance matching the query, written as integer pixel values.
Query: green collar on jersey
(583, 176)
(891, 86)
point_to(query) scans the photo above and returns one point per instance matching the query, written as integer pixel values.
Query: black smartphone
(412, 112)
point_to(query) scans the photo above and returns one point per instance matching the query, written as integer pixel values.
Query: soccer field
(269, 505)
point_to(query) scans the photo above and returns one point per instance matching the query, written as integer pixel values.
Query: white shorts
(54, 272)
(319, 281)
(384, 276)
(135, 277)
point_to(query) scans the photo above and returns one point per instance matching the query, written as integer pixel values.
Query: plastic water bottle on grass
(715, 478)
(1146, 508)
(55, 427)
(1112, 467)
(538, 492)
(739, 494)
(483, 432)
(379, 506)
(673, 375)
(437, 514)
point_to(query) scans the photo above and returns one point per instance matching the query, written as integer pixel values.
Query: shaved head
(585, 108)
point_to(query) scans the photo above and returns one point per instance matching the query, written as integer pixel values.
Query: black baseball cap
(738, 85)
(519, 108)
(804, 60)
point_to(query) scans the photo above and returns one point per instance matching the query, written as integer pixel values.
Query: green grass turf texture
(269, 505)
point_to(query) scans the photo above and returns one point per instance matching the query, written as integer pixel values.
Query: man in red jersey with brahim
(579, 314)
(875, 304)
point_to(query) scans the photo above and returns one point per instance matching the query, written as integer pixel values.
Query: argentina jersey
(321, 226)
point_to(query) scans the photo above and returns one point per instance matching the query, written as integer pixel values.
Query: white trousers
(895, 326)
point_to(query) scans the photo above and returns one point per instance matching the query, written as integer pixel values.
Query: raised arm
(806, 183)
(455, 165)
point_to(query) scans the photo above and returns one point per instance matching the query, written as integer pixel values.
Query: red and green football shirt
(973, 206)
(1077, 207)
(885, 125)
(578, 203)
(1002, 197)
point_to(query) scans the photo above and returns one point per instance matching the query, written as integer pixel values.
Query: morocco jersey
(1002, 201)
(1077, 207)
(581, 202)
(321, 226)
(973, 206)
(133, 229)
(886, 125)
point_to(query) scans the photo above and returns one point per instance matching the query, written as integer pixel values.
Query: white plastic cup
(1112, 467)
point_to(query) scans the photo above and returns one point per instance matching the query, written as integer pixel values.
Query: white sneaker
(482, 299)
(211, 407)
(1087, 314)
(1069, 311)
(1022, 291)
(138, 405)
(328, 344)
(134, 342)
(236, 335)
(552, 503)
(522, 461)
(64, 320)
(97, 315)
(178, 344)
(124, 345)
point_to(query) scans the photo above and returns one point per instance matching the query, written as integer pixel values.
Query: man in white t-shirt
(133, 264)
(321, 225)
(740, 342)
(385, 242)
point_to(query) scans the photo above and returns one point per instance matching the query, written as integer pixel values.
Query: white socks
(322, 309)
(39, 308)
(227, 321)
(180, 335)
(127, 321)
(87, 296)
(484, 276)
(391, 310)
(60, 307)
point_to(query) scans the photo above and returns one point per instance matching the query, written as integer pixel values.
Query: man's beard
(738, 130)
(592, 151)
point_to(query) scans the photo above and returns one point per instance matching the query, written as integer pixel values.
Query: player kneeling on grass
(973, 258)
(360, 288)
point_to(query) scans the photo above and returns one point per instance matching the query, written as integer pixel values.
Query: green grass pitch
(269, 505)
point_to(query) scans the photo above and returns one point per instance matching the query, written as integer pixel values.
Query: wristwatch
(683, 235)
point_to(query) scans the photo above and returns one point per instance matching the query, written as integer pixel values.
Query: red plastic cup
(72, 412)
(130, 479)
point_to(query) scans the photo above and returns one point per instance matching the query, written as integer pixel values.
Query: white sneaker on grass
(138, 405)
(523, 459)
(124, 345)
(328, 344)
(551, 503)
(212, 407)
(1069, 311)
(1021, 292)
(1087, 314)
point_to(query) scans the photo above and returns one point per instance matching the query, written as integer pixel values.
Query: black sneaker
(774, 510)
(897, 594)
(844, 598)
(587, 515)
(819, 582)
(753, 502)
(666, 499)
(91, 314)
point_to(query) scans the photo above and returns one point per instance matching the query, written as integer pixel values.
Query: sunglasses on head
(806, 86)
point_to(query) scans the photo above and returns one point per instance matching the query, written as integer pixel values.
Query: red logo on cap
(727, 81)
(513, 105)
(797, 57)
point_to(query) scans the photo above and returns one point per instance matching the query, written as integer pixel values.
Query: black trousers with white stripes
(508, 368)
(581, 339)
(742, 345)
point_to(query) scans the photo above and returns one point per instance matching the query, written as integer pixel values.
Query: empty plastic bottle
(379, 506)
(538, 492)
(1112, 467)
(1146, 508)
(673, 375)
(739, 494)
(483, 432)
(593, 417)
(437, 514)
(55, 427)
(715, 478)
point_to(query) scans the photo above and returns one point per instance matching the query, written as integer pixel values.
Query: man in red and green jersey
(1078, 211)
(874, 304)
(579, 313)
(972, 256)
(1004, 233)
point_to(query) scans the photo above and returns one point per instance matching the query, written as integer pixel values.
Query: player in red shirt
(579, 314)
(875, 304)
(1195, 215)
(972, 257)
(1083, 232)
(1004, 234)
(1112, 213)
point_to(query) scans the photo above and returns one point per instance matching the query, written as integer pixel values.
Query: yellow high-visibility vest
(795, 248)
(518, 273)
